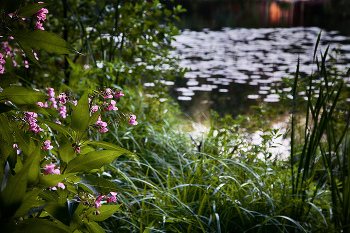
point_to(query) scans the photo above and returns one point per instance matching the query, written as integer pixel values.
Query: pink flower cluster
(40, 17)
(2, 61)
(29, 118)
(132, 120)
(47, 145)
(62, 99)
(102, 126)
(109, 198)
(50, 169)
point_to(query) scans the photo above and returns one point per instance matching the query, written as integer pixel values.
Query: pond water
(231, 69)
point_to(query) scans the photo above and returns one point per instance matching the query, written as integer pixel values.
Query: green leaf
(32, 108)
(12, 6)
(21, 95)
(28, 52)
(9, 67)
(76, 222)
(35, 225)
(32, 166)
(71, 63)
(97, 181)
(12, 196)
(40, 39)
(92, 160)
(93, 227)
(66, 150)
(109, 146)
(5, 130)
(105, 212)
(59, 212)
(81, 116)
(29, 200)
(55, 126)
(7, 79)
(94, 117)
(30, 10)
(50, 180)
(6, 108)
(5, 149)
(19, 164)
(24, 141)
(148, 228)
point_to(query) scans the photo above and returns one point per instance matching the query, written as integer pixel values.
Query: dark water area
(237, 52)
(216, 14)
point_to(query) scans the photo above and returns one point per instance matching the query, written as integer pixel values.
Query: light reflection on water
(233, 69)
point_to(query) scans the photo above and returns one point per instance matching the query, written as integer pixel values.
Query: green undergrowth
(220, 182)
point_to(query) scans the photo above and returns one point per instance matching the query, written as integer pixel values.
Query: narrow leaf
(40, 39)
(66, 150)
(59, 212)
(29, 200)
(5, 130)
(7, 79)
(50, 180)
(55, 126)
(93, 227)
(105, 212)
(12, 196)
(81, 116)
(21, 95)
(30, 10)
(97, 181)
(35, 225)
(24, 141)
(28, 52)
(92, 160)
(32, 166)
(109, 146)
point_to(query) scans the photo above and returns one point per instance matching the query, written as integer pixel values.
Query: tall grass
(221, 184)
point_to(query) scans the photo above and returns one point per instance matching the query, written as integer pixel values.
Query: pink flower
(77, 150)
(51, 92)
(94, 108)
(40, 17)
(50, 169)
(102, 128)
(132, 120)
(108, 94)
(118, 94)
(61, 185)
(62, 98)
(29, 117)
(47, 145)
(111, 106)
(39, 26)
(63, 111)
(97, 204)
(2, 61)
(86, 67)
(112, 198)
(75, 102)
(35, 55)
(15, 146)
(42, 105)
(100, 198)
